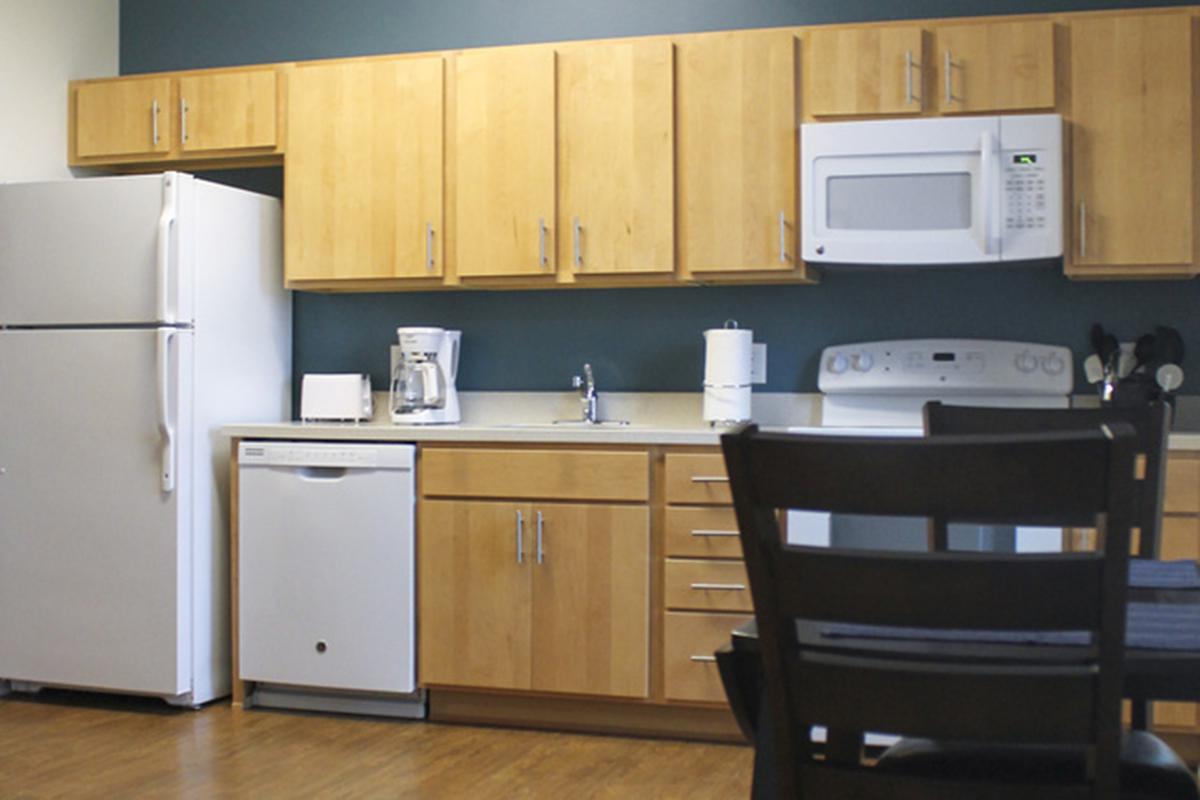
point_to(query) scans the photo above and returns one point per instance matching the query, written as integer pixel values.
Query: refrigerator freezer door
(92, 549)
(95, 251)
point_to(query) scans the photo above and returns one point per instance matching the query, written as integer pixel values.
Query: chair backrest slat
(955, 701)
(1054, 592)
(1151, 423)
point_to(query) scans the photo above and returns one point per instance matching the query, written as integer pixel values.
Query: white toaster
(336, 397)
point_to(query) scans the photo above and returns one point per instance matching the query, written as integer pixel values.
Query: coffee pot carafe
(424, 369)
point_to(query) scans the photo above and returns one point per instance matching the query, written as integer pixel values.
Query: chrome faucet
(586, 384)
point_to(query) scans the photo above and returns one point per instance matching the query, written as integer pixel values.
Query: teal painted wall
(638, 339)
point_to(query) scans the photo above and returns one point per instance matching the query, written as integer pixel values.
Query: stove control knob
(1053, 365)
(837, 364)
(1026, 362)
(863, 362)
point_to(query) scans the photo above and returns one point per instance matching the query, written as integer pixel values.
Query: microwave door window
(907, 202)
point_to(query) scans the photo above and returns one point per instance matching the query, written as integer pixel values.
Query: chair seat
(1150, 770)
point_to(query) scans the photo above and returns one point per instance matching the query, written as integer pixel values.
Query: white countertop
(655, 418)
(527, 417)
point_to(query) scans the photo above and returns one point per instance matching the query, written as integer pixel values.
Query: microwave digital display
(943, 356)
(1025, 158)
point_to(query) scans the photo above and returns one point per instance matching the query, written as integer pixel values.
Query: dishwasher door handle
(324, 474)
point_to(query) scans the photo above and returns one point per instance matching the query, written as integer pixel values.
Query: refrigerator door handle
(166, 221)
(166, 426)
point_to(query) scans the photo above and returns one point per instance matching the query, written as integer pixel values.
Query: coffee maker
(424, 371)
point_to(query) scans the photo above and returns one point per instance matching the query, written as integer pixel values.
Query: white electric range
(879, 389)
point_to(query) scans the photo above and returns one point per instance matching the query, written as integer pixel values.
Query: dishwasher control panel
(325, 454)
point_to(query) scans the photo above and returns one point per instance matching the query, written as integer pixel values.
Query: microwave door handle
(987, 190)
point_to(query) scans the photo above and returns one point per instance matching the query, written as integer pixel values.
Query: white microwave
(959, 190)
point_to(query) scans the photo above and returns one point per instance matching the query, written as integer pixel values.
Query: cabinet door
(615, 149)
(736, 152)
(123, 117)
(504, 152)
(227, 110)
(857, 71)
(363, 183)
(475, 562)
(591, 599)
(999, 66)
(1133, 145)
(1180, 539)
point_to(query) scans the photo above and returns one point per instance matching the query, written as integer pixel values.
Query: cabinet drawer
(554, 474)
(697, 478)
(707, 585)
(702, 532)
(1183, 485)
(689, 668)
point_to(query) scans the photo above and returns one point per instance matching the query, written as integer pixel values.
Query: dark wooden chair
(821, 670)
(1151, 423)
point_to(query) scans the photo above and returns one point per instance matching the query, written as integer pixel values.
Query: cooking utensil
(1169, 377)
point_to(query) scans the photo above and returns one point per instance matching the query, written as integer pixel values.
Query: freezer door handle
(166, 426)
(166, 221)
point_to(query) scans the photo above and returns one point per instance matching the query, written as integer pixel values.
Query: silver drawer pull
(719, 587)
(714, 533)
(710, 479)
(704, 659)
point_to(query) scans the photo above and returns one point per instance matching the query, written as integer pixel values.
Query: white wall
(43, 44)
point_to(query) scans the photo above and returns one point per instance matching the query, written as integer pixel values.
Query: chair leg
(1141, 714)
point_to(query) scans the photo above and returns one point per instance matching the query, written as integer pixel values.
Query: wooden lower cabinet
(689, 641)
(576, 587)
(474, 596)
(545, 597)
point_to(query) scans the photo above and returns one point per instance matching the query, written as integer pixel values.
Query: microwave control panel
(946, 366)
(1024, 191)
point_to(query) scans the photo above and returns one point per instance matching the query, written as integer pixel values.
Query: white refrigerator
(137, 315)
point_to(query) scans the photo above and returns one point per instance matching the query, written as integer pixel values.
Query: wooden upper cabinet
(615, 151)
(227, 110)
(1133, 145)
(363, 182)
(735, 157)
(504, 154)
(862, 71)
(994, 66)
(125, 117)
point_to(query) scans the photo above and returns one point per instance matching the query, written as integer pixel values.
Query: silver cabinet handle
(520, 538)
(154, 120)
(948, 80)
(578, 229)
(719, 587)
(908, 78)
(539, 537)
(183, 108)
(541, 242)
(429, 247)
(713, 533)
(783, 253)
(710, 479)
(703, 659)
(1083, 229)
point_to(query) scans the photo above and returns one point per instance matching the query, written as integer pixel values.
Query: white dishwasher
(326, 569)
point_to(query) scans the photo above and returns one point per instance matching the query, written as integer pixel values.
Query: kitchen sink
(569, 424)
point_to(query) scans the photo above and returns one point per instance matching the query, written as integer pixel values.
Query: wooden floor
(87, 746)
